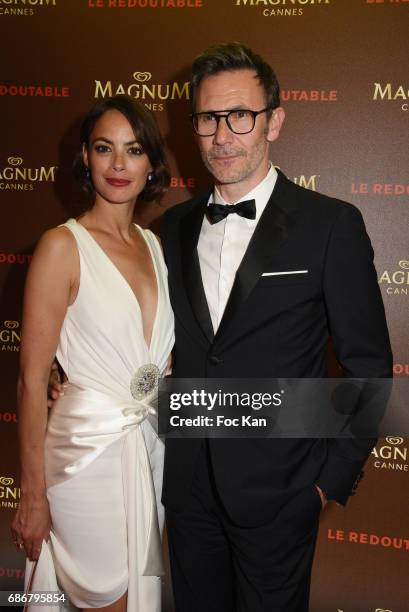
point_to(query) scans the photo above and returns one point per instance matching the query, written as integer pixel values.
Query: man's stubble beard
(251, 160)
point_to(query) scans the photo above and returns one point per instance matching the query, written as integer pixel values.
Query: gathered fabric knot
(139, 410)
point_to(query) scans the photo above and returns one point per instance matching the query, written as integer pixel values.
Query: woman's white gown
(103, 458)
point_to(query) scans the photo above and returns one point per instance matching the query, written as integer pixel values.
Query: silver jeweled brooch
(144, 381)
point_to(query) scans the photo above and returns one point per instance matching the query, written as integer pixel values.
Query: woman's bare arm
(50, 287)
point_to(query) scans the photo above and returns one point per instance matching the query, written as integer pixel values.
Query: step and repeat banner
(342, 66)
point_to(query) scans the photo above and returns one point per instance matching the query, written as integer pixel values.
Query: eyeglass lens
(240, 122)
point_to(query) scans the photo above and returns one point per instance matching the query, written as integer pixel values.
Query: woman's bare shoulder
(57, 242)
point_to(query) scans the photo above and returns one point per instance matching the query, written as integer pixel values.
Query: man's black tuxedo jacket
(276, 326)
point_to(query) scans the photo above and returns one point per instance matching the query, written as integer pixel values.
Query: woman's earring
(150, 176)
(87, 172)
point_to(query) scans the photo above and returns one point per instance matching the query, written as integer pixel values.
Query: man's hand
(55, 386)
(323, 497)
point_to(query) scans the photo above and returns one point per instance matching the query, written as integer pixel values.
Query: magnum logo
(142, 76)
(23, 7)
(389, 92)
(9, 493)
(397, 281)
(392, 455)
(11, 324)
(152, 94)
(309, 182)
(282, 8)
(19, 178)
(10, 336)
(395, 440)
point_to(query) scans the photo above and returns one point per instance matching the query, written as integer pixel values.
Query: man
(257, 289)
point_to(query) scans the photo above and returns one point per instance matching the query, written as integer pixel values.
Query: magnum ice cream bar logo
(9, 493)
(396, 281)
(307, 181)
(392, 93)
(391, 455)
(10, 336)
(15, 161)
(16, 177)
(21, 8)
(282, 8)
(142, 76)
(395, 440)
(152, 94)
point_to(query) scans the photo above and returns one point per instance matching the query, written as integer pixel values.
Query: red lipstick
(115, 182)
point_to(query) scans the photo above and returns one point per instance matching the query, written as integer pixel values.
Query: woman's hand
(55, 387)
(31, 524)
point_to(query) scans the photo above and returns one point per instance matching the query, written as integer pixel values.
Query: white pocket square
(285, 273)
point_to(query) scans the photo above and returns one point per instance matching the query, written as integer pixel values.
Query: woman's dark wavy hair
(146, 133)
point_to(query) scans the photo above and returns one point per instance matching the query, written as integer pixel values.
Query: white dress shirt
(221, 246)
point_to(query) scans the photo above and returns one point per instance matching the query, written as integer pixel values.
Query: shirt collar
(260, 193)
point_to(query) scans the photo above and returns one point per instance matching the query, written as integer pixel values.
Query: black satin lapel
(271, 231)
(190, 230)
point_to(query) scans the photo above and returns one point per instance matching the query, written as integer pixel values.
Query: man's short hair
(229, 57)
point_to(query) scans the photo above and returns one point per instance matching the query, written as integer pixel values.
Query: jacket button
(215, 360)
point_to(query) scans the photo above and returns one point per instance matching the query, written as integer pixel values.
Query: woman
(96, 295)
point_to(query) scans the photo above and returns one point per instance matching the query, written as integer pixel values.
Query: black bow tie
(217, 212)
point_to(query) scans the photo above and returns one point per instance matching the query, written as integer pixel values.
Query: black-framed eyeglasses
(239, 121)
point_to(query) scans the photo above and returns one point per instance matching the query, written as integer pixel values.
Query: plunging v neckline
(127, 284)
